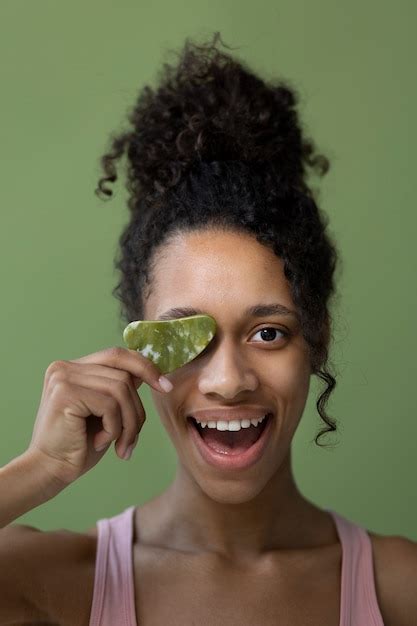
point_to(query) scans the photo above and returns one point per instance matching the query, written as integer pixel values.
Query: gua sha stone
(170, 343)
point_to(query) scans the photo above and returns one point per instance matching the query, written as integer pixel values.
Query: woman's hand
(87, 403)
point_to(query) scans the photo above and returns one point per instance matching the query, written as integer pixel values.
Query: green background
(69, 73)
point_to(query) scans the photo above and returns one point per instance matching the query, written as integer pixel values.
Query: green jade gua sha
(170, 343)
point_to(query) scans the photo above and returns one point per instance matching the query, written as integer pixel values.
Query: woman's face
(222, 274)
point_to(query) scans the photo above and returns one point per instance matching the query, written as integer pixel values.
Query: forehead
(210, 269)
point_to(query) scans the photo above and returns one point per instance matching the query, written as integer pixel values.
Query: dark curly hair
(215, 146)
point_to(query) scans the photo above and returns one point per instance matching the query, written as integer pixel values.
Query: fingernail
(165, 383)
(128, 452)
(129, 449)
(100, 448)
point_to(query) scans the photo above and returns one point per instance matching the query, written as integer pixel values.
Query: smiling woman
(222, 224)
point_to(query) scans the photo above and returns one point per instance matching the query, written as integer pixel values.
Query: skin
(237, 515)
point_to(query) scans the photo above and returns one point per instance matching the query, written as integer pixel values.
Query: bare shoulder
(52, 567)
(395, 568)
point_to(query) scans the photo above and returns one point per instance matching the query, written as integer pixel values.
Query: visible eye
(268, 332)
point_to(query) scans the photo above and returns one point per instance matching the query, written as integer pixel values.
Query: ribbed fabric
(359, 603)
(114, 596)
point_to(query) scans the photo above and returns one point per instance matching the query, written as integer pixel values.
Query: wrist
(34, 462)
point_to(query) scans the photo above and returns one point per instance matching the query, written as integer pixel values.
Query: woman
(222, 223)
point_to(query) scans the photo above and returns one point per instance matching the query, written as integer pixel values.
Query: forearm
(25, 483)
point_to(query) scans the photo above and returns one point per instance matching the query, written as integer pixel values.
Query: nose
(226, 373)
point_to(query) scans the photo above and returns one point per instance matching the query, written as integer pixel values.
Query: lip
(232, 461)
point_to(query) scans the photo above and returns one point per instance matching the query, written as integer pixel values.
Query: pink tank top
(114, 597)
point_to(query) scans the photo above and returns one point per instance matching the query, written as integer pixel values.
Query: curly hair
(215, 146)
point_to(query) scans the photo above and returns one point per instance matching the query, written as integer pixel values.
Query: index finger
(141, 368)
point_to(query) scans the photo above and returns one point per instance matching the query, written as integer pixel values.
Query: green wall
(69, 72)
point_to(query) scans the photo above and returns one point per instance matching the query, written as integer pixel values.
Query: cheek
(291, 379)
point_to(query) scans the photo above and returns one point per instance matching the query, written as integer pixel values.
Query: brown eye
(268, 334)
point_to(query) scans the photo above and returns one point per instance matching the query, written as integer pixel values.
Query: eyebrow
(258, 310)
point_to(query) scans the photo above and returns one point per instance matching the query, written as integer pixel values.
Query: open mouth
(231, 449)
(230, 442)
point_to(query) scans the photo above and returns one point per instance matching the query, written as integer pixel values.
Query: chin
(232, 491)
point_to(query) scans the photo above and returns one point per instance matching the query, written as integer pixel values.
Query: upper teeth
(232, 424)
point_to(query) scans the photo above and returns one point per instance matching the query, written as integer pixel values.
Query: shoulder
(395, 570)
(71, 575)
(56, 566)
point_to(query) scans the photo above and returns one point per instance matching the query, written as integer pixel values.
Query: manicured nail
(129, 449)
(128, 452)
(165, 383)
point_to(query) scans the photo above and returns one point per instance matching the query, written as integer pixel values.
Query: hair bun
(210, 107)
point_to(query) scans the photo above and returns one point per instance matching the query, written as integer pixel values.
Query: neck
(277, 518)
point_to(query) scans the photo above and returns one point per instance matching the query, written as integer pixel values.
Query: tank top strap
(359, 603)
(113, 595)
